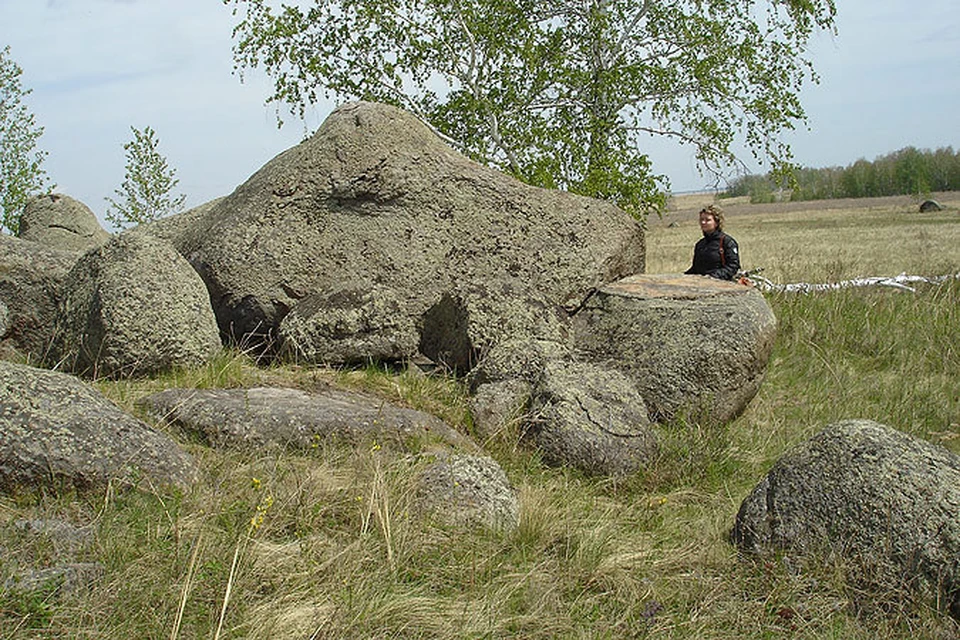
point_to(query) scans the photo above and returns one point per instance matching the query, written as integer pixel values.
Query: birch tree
(21, 170)
(560, 93)
(147, 191)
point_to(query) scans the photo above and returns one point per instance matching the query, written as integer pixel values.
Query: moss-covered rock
(56, 431)
(886, 504)
(133, 307)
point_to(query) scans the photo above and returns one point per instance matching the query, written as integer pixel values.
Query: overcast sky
(890, 79)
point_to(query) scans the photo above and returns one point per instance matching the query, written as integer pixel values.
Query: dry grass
(323, 544)
(819, 241)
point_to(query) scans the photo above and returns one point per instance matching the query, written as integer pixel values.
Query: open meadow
(819, 240)
(323, 545)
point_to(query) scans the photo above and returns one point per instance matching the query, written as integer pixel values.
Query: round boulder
(58, 221)
(691, 344)
(464, 489)
(885, 503)
(591, 419)
(133, 307)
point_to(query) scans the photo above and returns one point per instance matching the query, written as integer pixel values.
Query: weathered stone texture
(58, 221)
(885, 503)
(250, 418)
(349, 325)
(56, 431)
(375, 198)
(31, 282)
(133, 307)
(690, 343)
(590, 418)
(468, 490)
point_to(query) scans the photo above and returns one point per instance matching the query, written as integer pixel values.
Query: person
(716, 253)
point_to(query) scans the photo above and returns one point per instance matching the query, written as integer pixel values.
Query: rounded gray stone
(467, 490)
(133, 307)
(349, 325)
(590, 418)
(31, 283)
(58, 221)
(56, 431)
(887, 504)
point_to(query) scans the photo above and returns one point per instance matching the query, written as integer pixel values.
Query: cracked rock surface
(590, 418)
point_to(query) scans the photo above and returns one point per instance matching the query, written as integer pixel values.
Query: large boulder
(269, 416)
(58, 221)
(31, 281)
(57, 432)
(885, 504)
(376, 198)
(133, 307)
(691, 344)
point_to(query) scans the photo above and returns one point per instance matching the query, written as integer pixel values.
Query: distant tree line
(909, 171)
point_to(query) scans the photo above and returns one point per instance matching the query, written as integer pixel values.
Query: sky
(890, 78)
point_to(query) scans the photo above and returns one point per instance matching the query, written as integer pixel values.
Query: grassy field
(278, 545)
(819, 241)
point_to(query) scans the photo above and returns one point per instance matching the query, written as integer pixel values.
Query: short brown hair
(717, 214)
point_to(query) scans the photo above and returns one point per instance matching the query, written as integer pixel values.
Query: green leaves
(147, 189)
(21, 173)
(562, 93)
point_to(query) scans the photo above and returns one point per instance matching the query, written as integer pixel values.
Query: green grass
(324, 544)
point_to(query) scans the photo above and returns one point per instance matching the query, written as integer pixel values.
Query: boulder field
(374, 241)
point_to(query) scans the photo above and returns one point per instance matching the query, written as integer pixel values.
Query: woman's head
(711, 219)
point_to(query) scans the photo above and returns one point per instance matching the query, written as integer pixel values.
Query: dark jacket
(709, 260)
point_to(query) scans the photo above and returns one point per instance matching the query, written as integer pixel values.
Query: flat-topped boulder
(274, 416)
(691, 344)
